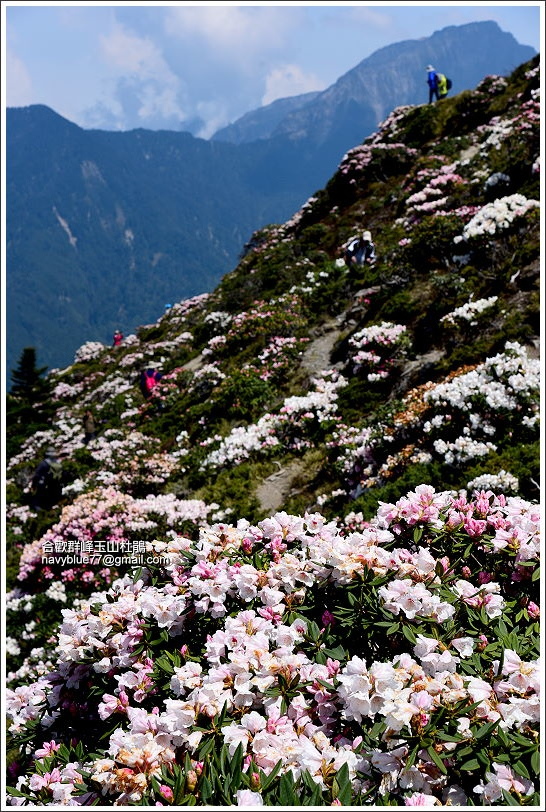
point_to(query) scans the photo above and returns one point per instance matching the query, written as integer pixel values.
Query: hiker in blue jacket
(432, 80)
(360, 251)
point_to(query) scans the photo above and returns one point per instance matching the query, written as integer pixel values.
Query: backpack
(53, 479)
(448, 83)
(353, 245)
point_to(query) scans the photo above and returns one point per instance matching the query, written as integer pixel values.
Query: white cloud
(234, 31)
(158, 102)
(19, 90)
(141, 62)
(214, 114)
(131, 54)
(289, 80)
(365, 15)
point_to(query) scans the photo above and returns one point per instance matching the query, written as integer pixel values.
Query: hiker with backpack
(438, 84)
(118, 338)
(432, 81)
(442, 85)
(360, 251)
(47, 482)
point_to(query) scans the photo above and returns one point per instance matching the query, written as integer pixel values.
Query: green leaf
(314, 796)
(470, 765)
(313, 631)
(535, 762)
(510, 800)
(521, 769)
(484, 730)
(179, 786)
(205, 748)
(447, 737)
(327, 685)
(518, 739)
(409, 634)
(287, 795)
(223, 756)
(266, 781)
(467, 710)
(15, 792)
(237, 761)
(205, 788)
(437, 760)
(483, 758)
(337, 653)
(412, 756)
(341, 786)
(165, 665)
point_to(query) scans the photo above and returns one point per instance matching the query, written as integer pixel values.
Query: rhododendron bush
(299, 661)
(305, 571)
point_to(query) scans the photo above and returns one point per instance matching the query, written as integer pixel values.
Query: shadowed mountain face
(104, 229)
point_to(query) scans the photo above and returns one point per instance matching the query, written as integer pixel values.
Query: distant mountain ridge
(392, 76)
(104, 228)
(263, 122)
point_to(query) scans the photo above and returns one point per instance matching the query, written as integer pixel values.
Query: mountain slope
(335, 484)
(261, 123)
(105, 228)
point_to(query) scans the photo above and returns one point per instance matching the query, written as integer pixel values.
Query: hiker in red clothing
(118, 338)
(149, 379)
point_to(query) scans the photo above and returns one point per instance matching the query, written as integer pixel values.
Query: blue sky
(200, 66)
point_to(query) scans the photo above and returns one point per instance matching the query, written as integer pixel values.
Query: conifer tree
(28, 404)
(27, 379)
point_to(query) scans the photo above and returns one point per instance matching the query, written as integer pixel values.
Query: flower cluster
(357, 159)
(492, 85)
(497, 215)
(502, 482)
(89, 351)
(377, 348)
(275, 359)
(286, 429)
(271, 687)
(456, 420)
(433, 196)
(470, 310)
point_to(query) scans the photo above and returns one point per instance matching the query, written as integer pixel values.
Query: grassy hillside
(337, 476)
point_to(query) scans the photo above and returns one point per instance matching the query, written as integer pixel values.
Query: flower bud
(166, 792)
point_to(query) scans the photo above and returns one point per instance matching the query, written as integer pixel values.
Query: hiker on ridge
(432, 81)
(118, 338)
